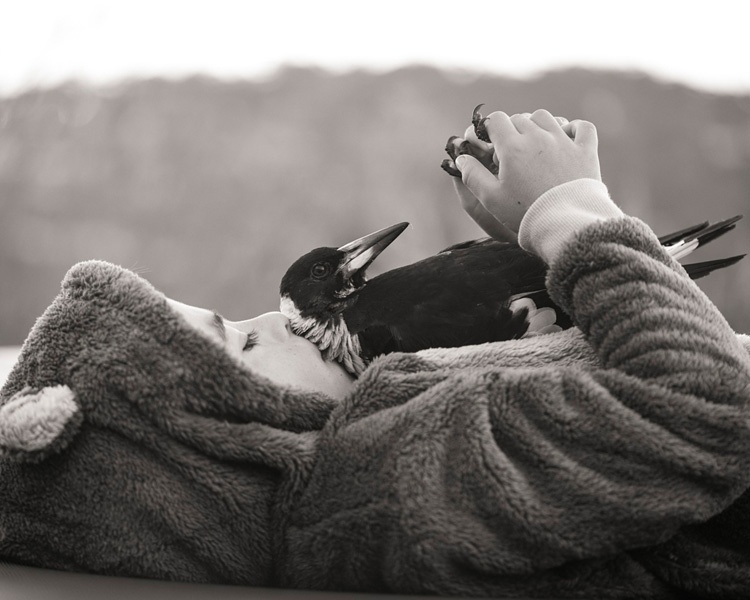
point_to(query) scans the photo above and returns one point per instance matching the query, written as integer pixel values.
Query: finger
(479, 181)
(583, 132)
(500, 127)
(567, 128)
(481, 216)
(523, 123)
(545, 120)
(475, 147)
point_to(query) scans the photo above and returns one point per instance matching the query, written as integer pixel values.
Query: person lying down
(142, 437)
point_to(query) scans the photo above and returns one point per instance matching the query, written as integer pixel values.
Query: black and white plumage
(470, 293)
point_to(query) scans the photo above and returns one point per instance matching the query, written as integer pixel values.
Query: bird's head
(325, 281)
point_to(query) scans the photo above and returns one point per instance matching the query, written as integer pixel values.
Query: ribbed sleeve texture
(559, 213)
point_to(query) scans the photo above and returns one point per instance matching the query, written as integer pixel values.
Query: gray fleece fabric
(605, 462)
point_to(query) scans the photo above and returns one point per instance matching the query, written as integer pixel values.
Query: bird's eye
(320, 270)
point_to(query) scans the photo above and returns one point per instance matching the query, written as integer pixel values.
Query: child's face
(267, 346)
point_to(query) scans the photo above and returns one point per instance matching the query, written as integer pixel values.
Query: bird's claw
(449, 167)
(454, 147)
(476, 116)
(457, 146)
(450, 147)
(478, 121)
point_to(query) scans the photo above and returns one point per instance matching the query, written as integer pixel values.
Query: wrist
(561, 212)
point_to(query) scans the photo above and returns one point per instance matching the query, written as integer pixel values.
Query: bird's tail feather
(682, 243)
(676, 236)
(701, 269)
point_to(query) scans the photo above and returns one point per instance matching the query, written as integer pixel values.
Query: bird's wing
(469, 244)
(458, 297)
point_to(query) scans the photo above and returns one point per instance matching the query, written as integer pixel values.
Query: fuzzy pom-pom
(33, 420)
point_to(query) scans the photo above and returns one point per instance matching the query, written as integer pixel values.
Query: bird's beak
(360, 253)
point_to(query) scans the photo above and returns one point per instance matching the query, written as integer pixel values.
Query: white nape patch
(332, 337)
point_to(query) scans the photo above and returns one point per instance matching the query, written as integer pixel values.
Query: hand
(485, 153)
(535, 153)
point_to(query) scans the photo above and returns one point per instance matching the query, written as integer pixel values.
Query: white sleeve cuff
(558, 214)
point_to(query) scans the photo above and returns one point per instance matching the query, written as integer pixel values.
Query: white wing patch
(541, 320)
(682, 249)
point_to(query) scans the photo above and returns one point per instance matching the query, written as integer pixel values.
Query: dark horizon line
(458, 74)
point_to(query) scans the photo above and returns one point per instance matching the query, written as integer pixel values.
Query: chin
(339, 368)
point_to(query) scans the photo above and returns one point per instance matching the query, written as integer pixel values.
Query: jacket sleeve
(430, 474)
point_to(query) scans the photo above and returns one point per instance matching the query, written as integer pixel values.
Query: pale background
(42, 42)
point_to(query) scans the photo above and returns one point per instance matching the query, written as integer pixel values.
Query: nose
(271, 326)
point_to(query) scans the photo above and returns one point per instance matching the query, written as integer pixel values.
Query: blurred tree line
(211, 189)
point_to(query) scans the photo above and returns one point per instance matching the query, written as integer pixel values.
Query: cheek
(283, 364)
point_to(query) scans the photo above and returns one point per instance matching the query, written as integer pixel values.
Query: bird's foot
(478, 121)
(450, 167)
(457, 146)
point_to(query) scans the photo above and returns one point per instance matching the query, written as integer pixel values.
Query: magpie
(470, 293)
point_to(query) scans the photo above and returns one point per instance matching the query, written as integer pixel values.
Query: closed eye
(251, 342)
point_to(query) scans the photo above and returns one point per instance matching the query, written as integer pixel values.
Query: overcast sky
(42, 42)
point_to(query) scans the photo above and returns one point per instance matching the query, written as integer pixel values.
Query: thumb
(477, 178)
(489, 190)
(481, 216)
